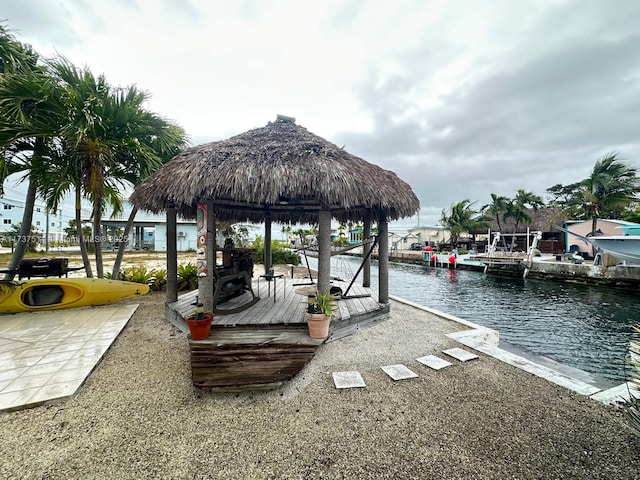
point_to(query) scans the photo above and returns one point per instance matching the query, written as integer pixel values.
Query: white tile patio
(46, 356)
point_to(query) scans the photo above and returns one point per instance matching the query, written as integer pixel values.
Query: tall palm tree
(611, 187)
(520, 205)
(115, 139)
(86, 99)
(31, 115)
(98, 136)
(497, 207)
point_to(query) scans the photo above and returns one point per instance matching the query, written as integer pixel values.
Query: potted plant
(200, 323)
(319, 312)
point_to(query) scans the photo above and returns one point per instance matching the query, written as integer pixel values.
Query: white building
(149, 231)
(44, 222)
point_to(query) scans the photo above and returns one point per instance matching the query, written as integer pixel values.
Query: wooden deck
(288, 309)
(268, 343)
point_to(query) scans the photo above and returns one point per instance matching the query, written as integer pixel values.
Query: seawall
(623, 276)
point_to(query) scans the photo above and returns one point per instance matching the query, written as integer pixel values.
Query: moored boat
(60, 293)
(624, 247)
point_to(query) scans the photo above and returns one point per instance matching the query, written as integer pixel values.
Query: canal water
(582, 326)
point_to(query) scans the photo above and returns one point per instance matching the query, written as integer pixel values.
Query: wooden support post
(366, 272)
(268, 260)
(205, 283)
(383, 261)
(172, 256)
(324, 250)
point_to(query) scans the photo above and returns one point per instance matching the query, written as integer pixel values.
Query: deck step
(245, 357)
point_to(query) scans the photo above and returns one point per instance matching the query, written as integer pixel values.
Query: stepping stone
(398, 372)
(351, 379)
(460, 354)
(434, 362)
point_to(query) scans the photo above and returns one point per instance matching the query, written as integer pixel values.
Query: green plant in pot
(319, 312)
(200, 323)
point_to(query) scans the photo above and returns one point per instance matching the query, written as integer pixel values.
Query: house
(402, 239)
(583, 227)
(434, 234)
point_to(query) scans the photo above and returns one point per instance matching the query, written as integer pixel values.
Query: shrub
(283, 257)
(341, 242)
(159, 280)
(137, 275)
(280, 252)
(187, 276)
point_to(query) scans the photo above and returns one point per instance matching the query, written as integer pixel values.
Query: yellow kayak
(58, 293)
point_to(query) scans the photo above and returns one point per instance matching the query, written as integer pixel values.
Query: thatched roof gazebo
(280, 173)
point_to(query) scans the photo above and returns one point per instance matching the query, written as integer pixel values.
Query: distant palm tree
(497, 207)
(519, 206)
(612, 186)
(460, 218)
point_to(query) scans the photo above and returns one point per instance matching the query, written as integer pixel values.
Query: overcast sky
(460, 98)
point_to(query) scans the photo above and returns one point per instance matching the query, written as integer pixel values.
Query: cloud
(461, 99)
(536, 113)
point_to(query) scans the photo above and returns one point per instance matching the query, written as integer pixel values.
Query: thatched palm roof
(543, 219)
(282, 170)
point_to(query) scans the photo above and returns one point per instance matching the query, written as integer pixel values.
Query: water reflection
(587, 327)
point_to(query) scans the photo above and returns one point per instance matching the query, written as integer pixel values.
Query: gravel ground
(138, 416)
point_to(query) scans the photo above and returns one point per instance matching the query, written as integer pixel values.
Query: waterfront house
(583, 227)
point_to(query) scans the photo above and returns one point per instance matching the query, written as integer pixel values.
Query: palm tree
(519, 206)
(611, 187)
(497, 206)
(460, 218)
(87, 100)
(64, 177)
(31, 115)
(15, 57)
(115, 139)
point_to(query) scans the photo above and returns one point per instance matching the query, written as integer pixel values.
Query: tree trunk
(123, 244)
(97, 234)
(25, 231)
(81, 242)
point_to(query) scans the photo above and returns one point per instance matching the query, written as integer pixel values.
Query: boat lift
(501, 256)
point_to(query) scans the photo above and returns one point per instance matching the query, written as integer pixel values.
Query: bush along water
(280, 253)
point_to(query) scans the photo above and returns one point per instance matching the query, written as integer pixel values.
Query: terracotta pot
(200, 329)
(318, 324)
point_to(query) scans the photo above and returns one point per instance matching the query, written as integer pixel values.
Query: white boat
(624, 247)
